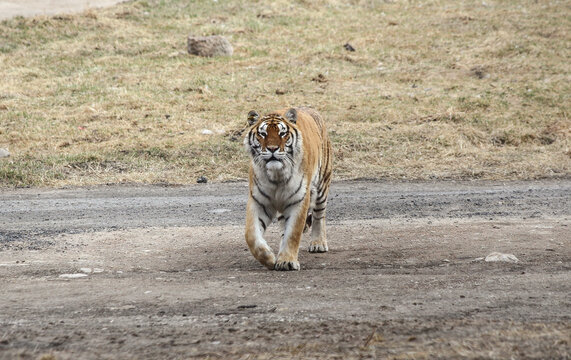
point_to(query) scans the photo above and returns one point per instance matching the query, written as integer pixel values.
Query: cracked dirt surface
(164, 272)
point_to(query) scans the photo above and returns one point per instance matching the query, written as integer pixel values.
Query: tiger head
(273, 141)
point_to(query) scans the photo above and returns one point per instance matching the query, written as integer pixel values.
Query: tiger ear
(253, 116)
(291, 115)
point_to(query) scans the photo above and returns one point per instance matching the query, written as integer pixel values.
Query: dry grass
(435, 89)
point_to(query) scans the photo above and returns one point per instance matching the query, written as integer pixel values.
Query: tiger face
(272, 143)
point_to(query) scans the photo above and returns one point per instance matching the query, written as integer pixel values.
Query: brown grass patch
(433, 90)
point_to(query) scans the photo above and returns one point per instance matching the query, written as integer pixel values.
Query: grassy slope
(436, 89)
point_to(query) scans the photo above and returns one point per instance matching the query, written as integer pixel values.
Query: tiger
(289, 179)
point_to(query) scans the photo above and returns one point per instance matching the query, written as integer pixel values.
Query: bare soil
(136, 272)
(11, 8)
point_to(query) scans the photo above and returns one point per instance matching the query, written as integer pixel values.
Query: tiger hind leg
(308, 221)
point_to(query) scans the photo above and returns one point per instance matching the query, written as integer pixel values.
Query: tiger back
(289, 178)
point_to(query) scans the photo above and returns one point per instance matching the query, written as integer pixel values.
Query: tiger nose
(272, 148)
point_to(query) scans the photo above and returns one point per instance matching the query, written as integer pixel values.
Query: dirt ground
(156, 272)
(11, 8)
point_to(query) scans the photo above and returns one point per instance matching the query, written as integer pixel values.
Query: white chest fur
(281, 193)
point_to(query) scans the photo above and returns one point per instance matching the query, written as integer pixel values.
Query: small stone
(499, 257)
(348, 47)
(207, 132)
(202, 180)
(479, 72)
(72, 276)
(247, 306)
(209, 46)
(219, 211)
(4, 153)
(319, 78)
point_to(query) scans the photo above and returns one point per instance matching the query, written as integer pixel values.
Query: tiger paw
(286, 265)
(318, 247)
(269, 261)
(266, 257)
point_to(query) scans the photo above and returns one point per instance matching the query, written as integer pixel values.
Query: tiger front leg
(295, 217)
(318, 242)
(258, 218)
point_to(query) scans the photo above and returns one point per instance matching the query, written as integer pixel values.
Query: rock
(320, 78)
(72, 276)
(91, 271)
(496, 256)
(202, 180)
(479, 72)
(219, 211)
(4, 153)
(207, 132)
(209, 46)
(349, 47)
(247, 306)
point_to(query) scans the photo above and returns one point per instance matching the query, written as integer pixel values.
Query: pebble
(349, 47)
(90, 270)
(219, 211)
(72, 276)
(499, 257)
(4, 153)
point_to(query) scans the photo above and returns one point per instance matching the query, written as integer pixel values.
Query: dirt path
(163, 272)
(11, 8)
